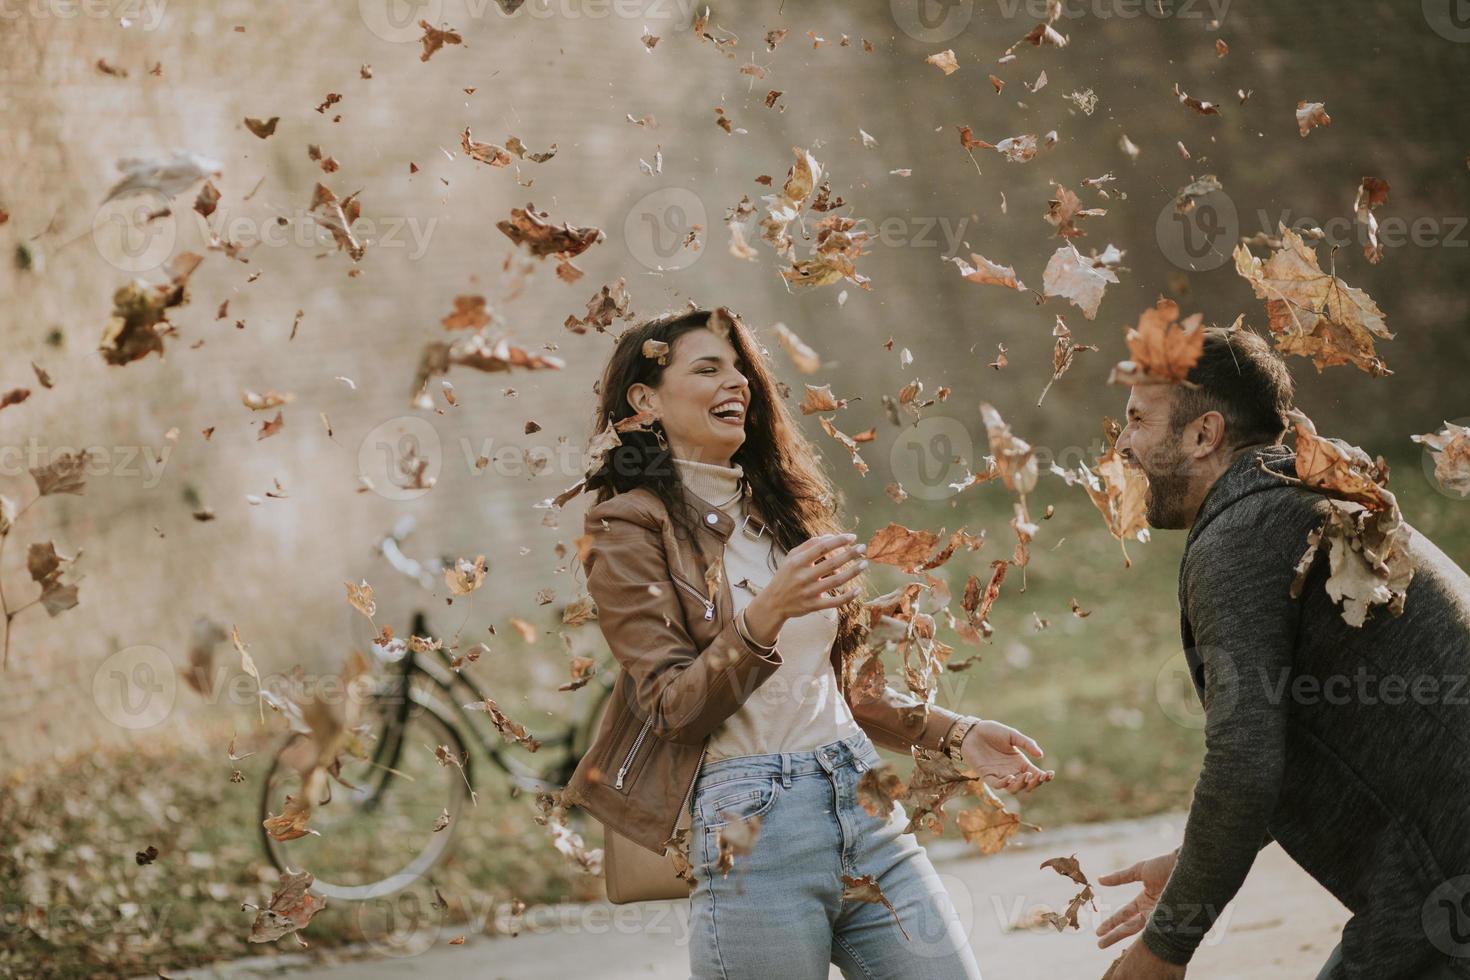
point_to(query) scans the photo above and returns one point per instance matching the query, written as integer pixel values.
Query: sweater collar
(710, 481)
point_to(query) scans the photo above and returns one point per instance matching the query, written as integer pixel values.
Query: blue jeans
(779, 912)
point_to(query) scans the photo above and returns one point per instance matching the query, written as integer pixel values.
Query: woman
(730, 597)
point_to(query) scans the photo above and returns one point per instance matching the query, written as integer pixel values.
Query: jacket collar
(712, 518)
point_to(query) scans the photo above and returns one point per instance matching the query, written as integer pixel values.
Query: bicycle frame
(457, 690)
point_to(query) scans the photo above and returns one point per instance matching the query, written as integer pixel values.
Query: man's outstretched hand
(1153, 874)
(1139, 963)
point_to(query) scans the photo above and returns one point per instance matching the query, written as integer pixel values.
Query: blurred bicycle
(378, 824)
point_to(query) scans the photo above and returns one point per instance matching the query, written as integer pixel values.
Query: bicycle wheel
(377, 833)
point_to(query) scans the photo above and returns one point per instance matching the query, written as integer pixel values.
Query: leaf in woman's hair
(864, 888)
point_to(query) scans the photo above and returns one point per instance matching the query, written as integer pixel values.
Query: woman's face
(701, 376)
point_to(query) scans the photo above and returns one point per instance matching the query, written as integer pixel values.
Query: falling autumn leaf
(1079, 280)
(987, 272)
(944, 61)
(290, 909)
(434, 39)
(1163, 348)
(1314, 313)
(262, 128)
(803, 356)
(1310, 115)
(1372, 192)
(864, 888)
(533, 229)
(1063, 350)
(1450, 450)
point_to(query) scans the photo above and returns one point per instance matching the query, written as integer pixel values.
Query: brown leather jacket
(684, 668)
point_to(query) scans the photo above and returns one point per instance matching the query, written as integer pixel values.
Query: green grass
(76, 904)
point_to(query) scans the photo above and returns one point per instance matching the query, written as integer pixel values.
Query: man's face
(1149, 441)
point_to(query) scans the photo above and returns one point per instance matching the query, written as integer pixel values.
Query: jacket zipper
(709, 613)
(709, 605)
(623, 771)
(692, 779)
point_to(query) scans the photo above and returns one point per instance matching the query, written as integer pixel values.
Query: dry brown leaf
(1450, 450)
(290, 909)
(1163, 348)
(864, 888)
(1079, 280)
(1314, 313)
(533, 229)
(987, 272)
(1310, 115)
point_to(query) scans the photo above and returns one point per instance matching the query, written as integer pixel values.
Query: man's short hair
(1243, 379)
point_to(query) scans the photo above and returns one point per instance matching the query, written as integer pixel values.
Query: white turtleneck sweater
(800, 706)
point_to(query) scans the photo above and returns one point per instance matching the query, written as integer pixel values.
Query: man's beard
(1168, 488)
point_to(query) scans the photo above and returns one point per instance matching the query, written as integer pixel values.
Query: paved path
(1282, 924)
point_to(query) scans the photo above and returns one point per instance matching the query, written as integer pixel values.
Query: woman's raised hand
(804, 581)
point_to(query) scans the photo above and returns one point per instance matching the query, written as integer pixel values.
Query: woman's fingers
(825, 601)
(1027, 744)
(813, 548)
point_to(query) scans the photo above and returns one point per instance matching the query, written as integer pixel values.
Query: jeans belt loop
(786, 769)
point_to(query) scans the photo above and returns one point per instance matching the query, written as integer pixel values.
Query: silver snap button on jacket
(711, 519)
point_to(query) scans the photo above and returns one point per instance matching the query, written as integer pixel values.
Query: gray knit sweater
(1350, 746)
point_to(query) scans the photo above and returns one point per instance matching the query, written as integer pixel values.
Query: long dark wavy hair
(790, 490)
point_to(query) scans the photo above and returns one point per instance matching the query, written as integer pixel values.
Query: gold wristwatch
(956, 738)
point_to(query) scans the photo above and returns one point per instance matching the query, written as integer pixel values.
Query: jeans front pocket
(738, 799)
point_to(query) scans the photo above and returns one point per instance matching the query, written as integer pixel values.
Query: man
(1349, 746)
